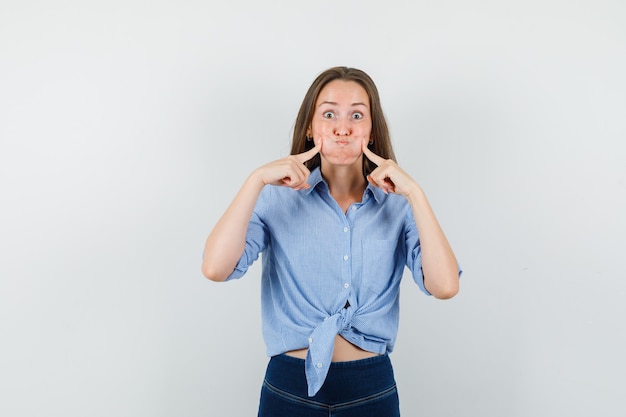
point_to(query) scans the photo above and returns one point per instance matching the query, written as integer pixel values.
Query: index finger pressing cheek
(371, 155)
(305, 156)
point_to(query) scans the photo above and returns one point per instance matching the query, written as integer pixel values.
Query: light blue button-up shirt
(326, 272)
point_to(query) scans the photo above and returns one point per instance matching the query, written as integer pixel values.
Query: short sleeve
(413, 250)
(256, 236)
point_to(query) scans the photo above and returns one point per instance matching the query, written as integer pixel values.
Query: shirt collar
(315, 178)
(377, 192)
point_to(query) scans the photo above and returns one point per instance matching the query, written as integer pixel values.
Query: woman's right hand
(227, 240)
(289, 171)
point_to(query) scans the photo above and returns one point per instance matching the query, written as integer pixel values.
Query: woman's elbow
(445, 288)
(446, 293)
(212, 273)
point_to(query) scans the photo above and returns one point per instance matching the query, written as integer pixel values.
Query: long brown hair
(381, 141)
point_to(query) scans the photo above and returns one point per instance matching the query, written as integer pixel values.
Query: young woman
(336, 223)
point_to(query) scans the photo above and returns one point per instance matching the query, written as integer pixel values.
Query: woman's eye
(329, 115)
(357, 116)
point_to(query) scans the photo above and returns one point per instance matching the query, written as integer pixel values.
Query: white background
(126, 127)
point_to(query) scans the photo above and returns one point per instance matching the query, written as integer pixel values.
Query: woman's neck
(345, 183)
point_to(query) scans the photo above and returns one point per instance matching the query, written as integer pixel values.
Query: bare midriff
(344, 351)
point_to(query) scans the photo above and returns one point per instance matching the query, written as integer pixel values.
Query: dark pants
(360, 388)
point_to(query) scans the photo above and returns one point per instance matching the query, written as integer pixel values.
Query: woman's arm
(227, 240)
(439, 265)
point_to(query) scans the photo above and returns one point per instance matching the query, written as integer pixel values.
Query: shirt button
(310, 340)
(345, 229)
(345, 257)
(346, 285)
(353, 208)
(319, 364)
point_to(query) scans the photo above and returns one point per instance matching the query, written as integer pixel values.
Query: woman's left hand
(388, 175)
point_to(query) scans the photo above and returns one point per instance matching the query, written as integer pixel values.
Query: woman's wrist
(415, 193)
(256, 178)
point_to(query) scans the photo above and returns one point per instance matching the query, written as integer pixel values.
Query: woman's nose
(342, 129)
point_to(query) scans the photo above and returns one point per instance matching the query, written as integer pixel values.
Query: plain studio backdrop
(126, 128)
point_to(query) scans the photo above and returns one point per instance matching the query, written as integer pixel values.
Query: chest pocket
(379, 263)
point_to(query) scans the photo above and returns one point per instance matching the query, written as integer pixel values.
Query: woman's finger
(298, 174)
(384, 183)
(378, 160)
(305, 156)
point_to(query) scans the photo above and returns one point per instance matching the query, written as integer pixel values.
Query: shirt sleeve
(256, 236)
(413, 250)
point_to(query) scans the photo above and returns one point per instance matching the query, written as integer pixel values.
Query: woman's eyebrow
(332, 103)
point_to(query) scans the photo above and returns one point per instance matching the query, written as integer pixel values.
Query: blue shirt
(326, 272)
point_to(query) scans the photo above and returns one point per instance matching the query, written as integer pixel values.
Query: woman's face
(342, 118)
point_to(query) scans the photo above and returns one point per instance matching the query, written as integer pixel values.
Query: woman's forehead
(343, 92)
